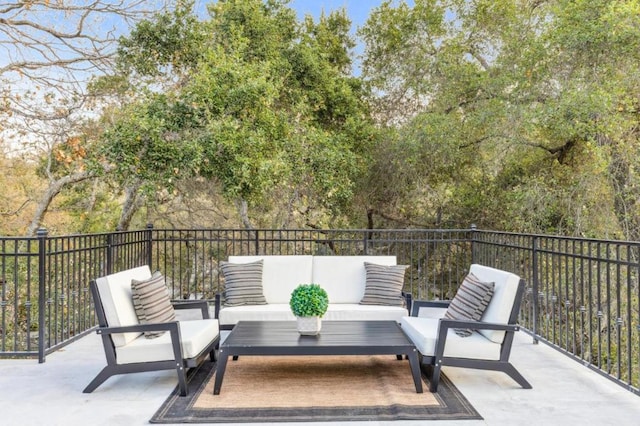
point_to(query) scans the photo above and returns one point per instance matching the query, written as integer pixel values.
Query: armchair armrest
(171, 327)
(203, 305)
(417, 304)
(446, 323)
(140, 328)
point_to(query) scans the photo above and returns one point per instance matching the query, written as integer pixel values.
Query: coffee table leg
(220, 368)
(414, 363)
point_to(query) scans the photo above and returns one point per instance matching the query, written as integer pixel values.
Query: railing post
(473, 237)
(150, 245)
(42, 270)
(257, 242)
(535, 289)
(109, 265)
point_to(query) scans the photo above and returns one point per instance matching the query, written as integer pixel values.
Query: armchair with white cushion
(180, 344)
(488, 342)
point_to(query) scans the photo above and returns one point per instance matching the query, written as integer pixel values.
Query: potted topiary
(309, 302)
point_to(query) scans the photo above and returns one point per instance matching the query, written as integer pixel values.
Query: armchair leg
(515, 375)
(434, 380)
(182, 380)
(99, 379)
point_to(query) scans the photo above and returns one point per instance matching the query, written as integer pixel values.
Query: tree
(260, 105)
(50, 51)
(510, 114)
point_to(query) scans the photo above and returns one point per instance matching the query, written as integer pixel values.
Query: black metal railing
(582, 295)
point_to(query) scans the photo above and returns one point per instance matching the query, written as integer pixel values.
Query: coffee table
(336, 338)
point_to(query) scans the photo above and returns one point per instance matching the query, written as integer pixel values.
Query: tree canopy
(515, 115)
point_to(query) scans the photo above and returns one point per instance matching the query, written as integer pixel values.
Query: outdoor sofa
(360, 288)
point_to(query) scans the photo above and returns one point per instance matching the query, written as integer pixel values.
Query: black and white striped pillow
(470, 302)
(152, 302)
(243, 283)
(383, 285)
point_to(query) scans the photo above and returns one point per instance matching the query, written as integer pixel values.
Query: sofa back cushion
(280, 274)
(117, 301)
(344, 277)
(504, 295)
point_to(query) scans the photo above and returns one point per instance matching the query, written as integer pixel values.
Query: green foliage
(309, 300)
(262, 106)
(508, 114)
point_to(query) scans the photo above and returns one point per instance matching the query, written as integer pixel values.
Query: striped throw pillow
(383, 285)
(470, 302)
(152, 302)
(243, 283)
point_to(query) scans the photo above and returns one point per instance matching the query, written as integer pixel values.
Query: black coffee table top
(258, 336)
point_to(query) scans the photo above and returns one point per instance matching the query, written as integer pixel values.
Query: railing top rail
(559, 237)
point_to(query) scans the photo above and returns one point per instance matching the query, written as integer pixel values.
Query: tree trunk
(54, 189)
(132, 203)
(243, 209)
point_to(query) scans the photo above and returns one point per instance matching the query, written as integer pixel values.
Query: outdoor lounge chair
(183, 345)
(489, 344)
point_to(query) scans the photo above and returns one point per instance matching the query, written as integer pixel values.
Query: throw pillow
(243, 283)
(470, 302)
(152, 302)
(383, 285)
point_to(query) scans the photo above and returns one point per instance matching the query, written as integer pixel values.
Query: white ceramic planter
(309, 326)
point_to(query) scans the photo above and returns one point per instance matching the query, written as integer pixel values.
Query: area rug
(312, 389)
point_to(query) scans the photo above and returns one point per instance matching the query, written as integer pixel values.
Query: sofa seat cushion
(195, 335)
(336, 312)
(271, 312)
(357, 312)
(423, 333)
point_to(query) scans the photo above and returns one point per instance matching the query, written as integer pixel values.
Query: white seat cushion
(423, 333)
(196, 335)
(336, 312)
(117, 301)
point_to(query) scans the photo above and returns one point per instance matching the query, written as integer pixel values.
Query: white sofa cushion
(423, 333)
(117, 301)
(336, 312)
(504, 294)
(280, 274)
(195, 336)
(344, 277)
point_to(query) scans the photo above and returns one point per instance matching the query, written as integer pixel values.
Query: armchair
(489, 345)
(184, 345)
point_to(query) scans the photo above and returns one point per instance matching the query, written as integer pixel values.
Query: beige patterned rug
(312, 388)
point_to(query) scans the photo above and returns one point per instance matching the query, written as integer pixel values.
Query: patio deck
(564, 392)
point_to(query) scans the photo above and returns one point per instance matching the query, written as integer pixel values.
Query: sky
(357, 10)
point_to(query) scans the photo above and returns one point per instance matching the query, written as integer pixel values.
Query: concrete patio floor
(564, 392)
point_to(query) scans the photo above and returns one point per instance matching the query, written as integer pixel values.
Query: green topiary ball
(309, 300)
